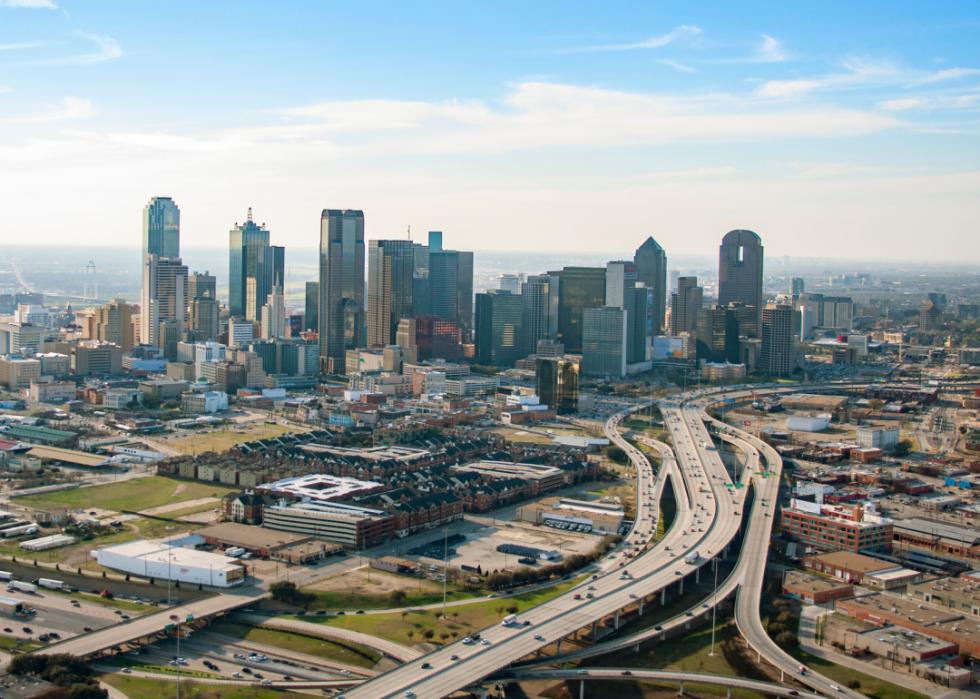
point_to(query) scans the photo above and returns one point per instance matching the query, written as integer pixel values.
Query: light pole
(445, 568)
(714, 610)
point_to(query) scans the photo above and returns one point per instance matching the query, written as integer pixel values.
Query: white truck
(50, 584)
(509, 620)
(235, 552)
(18, 586)
(6, 575)
(692, 557)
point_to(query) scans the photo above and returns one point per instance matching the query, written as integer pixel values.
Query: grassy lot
(144, 688)
(348, 653)
(122, 604)
(522, 436)
(846, 677)
(225, 438)
(135, 494)
(10, 643)
(425, 624)
(157, 529)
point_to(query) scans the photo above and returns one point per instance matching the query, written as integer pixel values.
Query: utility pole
(445, 567)
(714, 609)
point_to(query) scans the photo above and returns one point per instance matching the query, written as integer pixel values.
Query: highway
(708, 516)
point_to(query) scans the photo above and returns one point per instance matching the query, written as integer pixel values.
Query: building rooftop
(852, 561)
(964, 590)
(395, 453)
(249, 536)
(319, 487)
(915, 611)
(69, 456)
(160, 552)
(509, 469)
(928, 527)
(812, 583)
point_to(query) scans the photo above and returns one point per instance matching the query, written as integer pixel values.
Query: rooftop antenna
(91, 290)
(249, 214)
(410, 231)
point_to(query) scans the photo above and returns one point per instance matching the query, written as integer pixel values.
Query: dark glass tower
(740, 259)
(651, 270)
(341, 312)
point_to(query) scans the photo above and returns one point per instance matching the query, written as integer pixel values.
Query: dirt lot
(364, 581)
(222, 438)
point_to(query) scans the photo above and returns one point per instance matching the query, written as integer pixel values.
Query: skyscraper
(391, 266)
(556, 383)
(718, 331)
(579, 288)
(163, 299)
(622, 292)
(254, 268)
(498, 328)
(274, 316)
(685, 306)
(203, 306)
(535, 323)
(113, 323)
(451, 288)
(341, 311)
(161, 228)
(651, 270)
(776, 356)
(740, 260)
(312, 300)
(604, 341)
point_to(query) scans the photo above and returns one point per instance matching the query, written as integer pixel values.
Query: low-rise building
(836, 527)
(813, 589)
(52, 391)
(350, 526)
(961, 594)
(855, 568)
(541, 478)
(204, 402)
(162, 561)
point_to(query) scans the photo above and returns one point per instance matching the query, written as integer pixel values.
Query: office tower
(164, 297)
(651, 270)
(112, 322)
(604, 342)
(451, 288)
(930, 316)
(435, 241)
(310, 307)
(498, 328)
(819, 311)
(510, 282)
(391, 268)
(421, 295)
(274, 316)
(201, 286)
(203, 306)
(554, 302)
(240, 332)
(718, 331)
(254, 268)
(556, 383)
(938, 299)
(341, 312)
(622, 292)
(685, 306)
(437, 339)
(740, 260)
(776, 358)
(535, 322)
(796, 287)
(405, 337)
(579, 288)
(161, 228)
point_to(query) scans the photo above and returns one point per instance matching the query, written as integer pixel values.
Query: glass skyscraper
(161, 228)
(255, 268)
(341, 311)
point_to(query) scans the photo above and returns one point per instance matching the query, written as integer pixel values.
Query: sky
(833, 129)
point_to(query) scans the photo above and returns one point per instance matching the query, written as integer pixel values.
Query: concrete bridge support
(663, 597)
(616, 622)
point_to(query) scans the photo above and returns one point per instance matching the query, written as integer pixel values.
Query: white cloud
(21, 46)
(106, 49)
(903, 103)
(770, 50)
(4, 89)
(677, 65)
(30, 4)
(684, 31)
(70, 109)
(947, 74)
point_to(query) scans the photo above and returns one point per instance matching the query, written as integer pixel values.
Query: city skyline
(825, 137)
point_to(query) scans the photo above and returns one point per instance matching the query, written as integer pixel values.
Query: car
(126, 671)
(794, 693)
(87, 629)
(236, 675)
(538, 637)
(582, 671)
(8, 630)
(658, 628)
(468, 641)
(835, 687)
(361, 611)
(27, 630)
(258, 675)
(426, 666)
(265, 683)
(485, 642)
(626, 673)
(409, 694)
(76, 603)
(247, 670)
(454, 657)
(578, 595)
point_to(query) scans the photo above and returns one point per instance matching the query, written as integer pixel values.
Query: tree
(288, 593)
(903, 448)
(616, 454)
(397, 598)
(787, 639)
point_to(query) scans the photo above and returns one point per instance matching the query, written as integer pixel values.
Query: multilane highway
(708, 516)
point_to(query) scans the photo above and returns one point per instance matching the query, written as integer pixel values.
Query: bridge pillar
(681, 592)
(581, 689)
(680, 689)
(697, 576)
(641, 607)
(558, 647)
(782, 676)
(616, 622)
(728, 692)
(595, 630)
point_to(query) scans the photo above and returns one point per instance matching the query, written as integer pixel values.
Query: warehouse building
(161, 561)
(350, 526)
(564, 513)
(268, 543)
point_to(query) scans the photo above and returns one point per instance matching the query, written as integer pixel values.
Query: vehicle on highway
(509, 620)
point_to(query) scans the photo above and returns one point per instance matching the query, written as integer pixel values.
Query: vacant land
(864, 683)
(426, 625)
(145, 688)
(346, 653)
(135, 495)
(224, 438)
(375, 589)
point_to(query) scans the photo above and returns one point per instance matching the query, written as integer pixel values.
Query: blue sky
(834, 129)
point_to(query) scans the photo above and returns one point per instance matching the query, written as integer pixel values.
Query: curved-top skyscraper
(161, 228)
(740, 270)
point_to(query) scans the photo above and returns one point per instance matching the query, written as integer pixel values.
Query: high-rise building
(651, 270)
(161, 228)
(740, 262)
(451, 288)
(274, 316)
(164, 297)
(203, 306)
(776, 358)
(930, 316)
(113, 323)
(437, 339)
(406, 338)
(796, 287)
(604, 341)
(622, 292)
(341, 311)
(685, 306)
(556, 383)
(510, 282)
(254, 268)
(579, 288)
(535, 323)
(435, 241)
(498, 328)
(310, 307)
(391, 267)
(201, 286)
(819, 311)
(718, 331)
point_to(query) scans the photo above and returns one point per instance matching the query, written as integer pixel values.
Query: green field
(347, 653)
(10, 643)
(413, 626)
(338, 599)
(846, 677)
(134, 495)
(145, 688)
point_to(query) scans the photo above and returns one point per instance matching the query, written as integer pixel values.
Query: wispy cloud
(106, 49)
(677, 65)
(770, 50)
(21, 46)
(902, 103)
(680, 33)
(947, 74)
(30, 4)
(4, 89)
(70, 109)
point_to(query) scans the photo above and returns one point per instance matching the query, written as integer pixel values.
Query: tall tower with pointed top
(651, 271)
(255, 268)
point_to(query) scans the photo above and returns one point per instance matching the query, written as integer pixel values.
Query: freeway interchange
(709, 515)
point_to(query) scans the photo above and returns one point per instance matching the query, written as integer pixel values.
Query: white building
(159, 560)
(884, 438)
(117, 398)
(206, 402)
